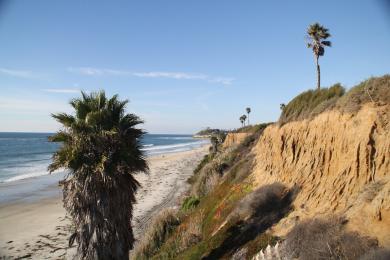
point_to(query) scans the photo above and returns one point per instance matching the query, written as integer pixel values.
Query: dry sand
(40, 230)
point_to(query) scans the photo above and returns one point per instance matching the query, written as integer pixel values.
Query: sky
(183, 65)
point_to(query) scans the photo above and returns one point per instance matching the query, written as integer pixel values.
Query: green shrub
(160, 229)
(310, 103)
(250, 128)
(190, 203)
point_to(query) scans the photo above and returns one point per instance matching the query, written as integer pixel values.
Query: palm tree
(248, 110)
(244, 118)
(101, 151)
(242, 121)
(317, 34)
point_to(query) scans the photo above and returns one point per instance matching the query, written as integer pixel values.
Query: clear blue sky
(183, 65)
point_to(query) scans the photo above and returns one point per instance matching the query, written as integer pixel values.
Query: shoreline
(38, 228)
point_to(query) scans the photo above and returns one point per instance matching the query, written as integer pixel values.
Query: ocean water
(27, 155)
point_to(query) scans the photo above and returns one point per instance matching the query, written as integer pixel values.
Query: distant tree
(244, 118)
(101, 151)
(242, 121)
(282, 106)
(248, 110)
(317, 34)
(214, 142)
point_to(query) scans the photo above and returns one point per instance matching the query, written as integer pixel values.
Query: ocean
(27, 155)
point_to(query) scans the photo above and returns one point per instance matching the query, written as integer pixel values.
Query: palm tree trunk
(248, 118)
(318, 74)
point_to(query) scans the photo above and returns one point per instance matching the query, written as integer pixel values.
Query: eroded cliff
(341, 164)
(234, 139)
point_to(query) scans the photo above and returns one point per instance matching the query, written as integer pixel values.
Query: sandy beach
(40, 230)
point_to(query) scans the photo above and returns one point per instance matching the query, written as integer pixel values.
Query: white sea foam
(40, 170)
(174, 146)
(175, 138)
(148, 145)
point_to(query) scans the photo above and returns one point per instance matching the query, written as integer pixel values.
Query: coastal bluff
(234, 139)
(339, 161)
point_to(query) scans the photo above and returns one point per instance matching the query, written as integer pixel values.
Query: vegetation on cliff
(209, 132)
(313, 102)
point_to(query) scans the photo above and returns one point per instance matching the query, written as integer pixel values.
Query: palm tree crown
(248, 110)
(318, 35)
(242, 120)
(101, 151)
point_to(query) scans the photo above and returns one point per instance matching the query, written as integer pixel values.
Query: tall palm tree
(317, 34)
(101, 151)
(248, 110)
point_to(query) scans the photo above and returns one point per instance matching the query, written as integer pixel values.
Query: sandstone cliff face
(234, 138)
(341, 162)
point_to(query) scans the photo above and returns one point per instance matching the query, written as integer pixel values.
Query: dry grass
(158, 232)
(191, 233)
(377, 254)
(210, 174)
(325, 239)
(251, 128)
(374, 90)
(310, 103)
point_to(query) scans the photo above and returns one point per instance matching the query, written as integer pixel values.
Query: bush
(158, 232)
(375, 90)
(190, 203)
(260, 202)
(310, 103)
(206, 159)
(251, 128)
(210, 174)
(325, 239)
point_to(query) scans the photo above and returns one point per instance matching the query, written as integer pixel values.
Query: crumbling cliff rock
(340, 161)
(234, 139)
